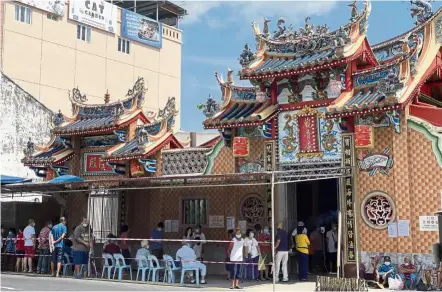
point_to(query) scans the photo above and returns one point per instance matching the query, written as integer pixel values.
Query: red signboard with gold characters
(364, 136)
(93, 164)
(240, 147)
(135, 168)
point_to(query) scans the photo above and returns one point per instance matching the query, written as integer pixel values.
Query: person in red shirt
(408, 271)
(266, 251)
(112, 248)
(20, 251)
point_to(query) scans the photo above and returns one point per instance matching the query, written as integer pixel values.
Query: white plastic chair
(154, 268)
(143, 266)
(170, 269)
(108, 266)
(120, 265)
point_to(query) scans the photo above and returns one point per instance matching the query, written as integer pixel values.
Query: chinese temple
(339, 124)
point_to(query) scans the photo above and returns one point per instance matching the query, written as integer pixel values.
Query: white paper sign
(243, 226)
(392, 230)
(52, 6)
(99, 14)
(167, 226)
(174, 225)
(230, 223)
(216, 221)
(403, 227)
(428, 223)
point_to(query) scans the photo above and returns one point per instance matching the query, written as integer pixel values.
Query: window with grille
(123, 46)
(194, 211)
(84, 33)
(103, 212)
(23, 14)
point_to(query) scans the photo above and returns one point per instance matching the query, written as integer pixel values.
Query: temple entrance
(316, 204)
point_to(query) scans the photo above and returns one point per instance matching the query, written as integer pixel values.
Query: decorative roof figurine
(246, 56)
(77, 97)
(169, 109)
(390, 84)
(265, 31)
(422, 10)
(210, 108)
(58, 119)
(142, 136)
(281, 28)
(30, 148)
(354, 11)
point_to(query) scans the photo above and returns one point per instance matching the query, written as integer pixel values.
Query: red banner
(364, 136)
(308, 137)
(240, 147)
(94, 164)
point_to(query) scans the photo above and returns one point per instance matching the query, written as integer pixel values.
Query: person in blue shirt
(56, 243)
(157, 246)
(282, 253)
(385, 271)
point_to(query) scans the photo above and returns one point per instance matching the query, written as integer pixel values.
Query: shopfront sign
(99, 14)
(142, 29)
(54, 7)
(364, 136)
(93, 164)
(269, 156)
(348, 197)
(241, 147)
(428, 223)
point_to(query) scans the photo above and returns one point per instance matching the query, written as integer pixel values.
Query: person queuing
(188, 259)
(227, 252)
(188, 234)
(316, 249)
(144, 250)
(198, 246)
(302, 244)
(253, 253)
(331, 238)
(282, 253)
(20, 251)
(264, 239)
(236, 256)
(157, 245)
(81, 245)
(125, 248)
(30, 242)
(10, 244)
(43, 248)
(56, 242)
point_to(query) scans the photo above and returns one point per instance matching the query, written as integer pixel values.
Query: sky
(215, 32)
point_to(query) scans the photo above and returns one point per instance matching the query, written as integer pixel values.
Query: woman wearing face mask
(236, 256)
(198, 246)
(264, 240)
(253, 253)
(188, 234)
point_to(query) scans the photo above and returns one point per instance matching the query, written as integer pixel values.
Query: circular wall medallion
(378, 209)
(252, 209)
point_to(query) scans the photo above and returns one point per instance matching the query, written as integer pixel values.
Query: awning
(6, 179)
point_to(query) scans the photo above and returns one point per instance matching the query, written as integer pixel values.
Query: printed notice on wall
(403, 227)
(174, 225)
(243, 226)
(230, 223)
(167, 225)
(216, 221)
(428, 223)
(392, 229)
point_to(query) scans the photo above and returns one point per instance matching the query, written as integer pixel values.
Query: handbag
(395, 283)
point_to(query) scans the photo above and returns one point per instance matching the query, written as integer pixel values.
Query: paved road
(33, 283)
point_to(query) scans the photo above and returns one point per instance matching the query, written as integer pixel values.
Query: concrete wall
(21, 117)
(47, 60)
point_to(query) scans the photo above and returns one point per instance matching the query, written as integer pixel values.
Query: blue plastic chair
(67, 263)
(143, 266)
(189, 269)
(154, 268)
(171, 268)
(108, 266)
(120, 265)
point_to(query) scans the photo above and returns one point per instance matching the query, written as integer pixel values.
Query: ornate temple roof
(241, 106)
(288, 51)
(57, 152)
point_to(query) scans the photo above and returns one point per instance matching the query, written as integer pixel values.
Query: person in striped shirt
(43, 248)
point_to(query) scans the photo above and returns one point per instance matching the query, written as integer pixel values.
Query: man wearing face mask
(385, 271)
(81, 246)
(198, 246)
(43, 248)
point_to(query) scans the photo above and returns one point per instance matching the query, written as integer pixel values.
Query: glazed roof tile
(87, 124)
(51, 155)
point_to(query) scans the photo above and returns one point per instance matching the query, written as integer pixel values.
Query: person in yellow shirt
(302, 244)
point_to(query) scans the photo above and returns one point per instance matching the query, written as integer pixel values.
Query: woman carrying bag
(302, 244)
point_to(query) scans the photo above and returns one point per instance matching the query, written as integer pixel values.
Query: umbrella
(65, 179)
(6, 179)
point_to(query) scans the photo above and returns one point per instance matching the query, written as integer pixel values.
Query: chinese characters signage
(269, 156)
(140, 28)
(135, 168)
(240, 147)
(99, 14)
(348, 198)
(93, 164)
(428, 223)
(364, 136)
(216, 221)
